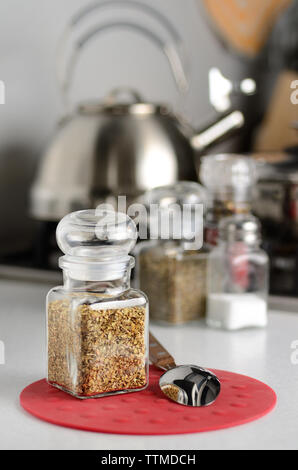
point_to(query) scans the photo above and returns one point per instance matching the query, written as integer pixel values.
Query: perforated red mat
(242, 399)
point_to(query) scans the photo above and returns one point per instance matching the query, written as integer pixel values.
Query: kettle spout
(220, 130)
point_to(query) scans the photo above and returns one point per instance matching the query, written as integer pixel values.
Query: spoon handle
(159, 356)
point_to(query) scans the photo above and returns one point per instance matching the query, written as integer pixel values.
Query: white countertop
(262, 354)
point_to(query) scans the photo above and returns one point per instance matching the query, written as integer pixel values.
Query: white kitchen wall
(29, 31)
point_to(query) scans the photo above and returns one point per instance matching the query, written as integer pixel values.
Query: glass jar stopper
(179, 211)
(229, 175)
(96, 243)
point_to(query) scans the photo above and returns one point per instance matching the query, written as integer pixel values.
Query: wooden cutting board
(245, 24)
(277, 129)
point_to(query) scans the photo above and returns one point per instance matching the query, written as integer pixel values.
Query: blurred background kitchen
(233, 64)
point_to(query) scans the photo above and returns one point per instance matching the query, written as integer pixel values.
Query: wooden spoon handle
(159, 356)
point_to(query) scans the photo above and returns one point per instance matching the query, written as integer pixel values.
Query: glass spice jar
(237, 280)
(230, 180)
(97, 326)
(171, 270)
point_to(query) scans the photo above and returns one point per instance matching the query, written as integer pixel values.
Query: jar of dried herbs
(97, 326)
(230, 180)
(171, 265)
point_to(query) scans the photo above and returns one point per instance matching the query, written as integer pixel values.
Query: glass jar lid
(96, 243)
(176, 211)
(183, 192)
(229, 175)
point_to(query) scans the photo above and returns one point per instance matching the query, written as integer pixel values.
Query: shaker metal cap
(242, 228)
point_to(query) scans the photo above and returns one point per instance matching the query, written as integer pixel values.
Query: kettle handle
(65, 73)
(163, 20)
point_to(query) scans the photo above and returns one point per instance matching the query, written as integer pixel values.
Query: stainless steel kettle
(118, 147)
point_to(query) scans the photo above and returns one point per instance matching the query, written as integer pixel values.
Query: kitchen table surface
(265, 354)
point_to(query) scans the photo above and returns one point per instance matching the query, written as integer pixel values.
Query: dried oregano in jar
(171, 266)
(97, 326)
(95, 348)
(174, 280)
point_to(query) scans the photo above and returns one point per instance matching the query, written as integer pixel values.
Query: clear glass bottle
(230, 180)
(237, 279)
(97, 326)
(170, 269)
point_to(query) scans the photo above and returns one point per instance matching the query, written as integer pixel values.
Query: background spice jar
(97, 324)
(175, 282)
(170, 270)
(237, 276)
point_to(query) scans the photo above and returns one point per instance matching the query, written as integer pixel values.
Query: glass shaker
(97, 326)
(230, 180)
(237, 280)
(170, 269)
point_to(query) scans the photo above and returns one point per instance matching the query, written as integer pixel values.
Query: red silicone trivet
(242, 399)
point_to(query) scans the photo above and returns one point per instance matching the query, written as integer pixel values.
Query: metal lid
(240, 228)
(123, 101)
(120, 109)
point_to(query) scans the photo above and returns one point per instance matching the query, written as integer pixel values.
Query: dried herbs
(175, 282)
(171, 391)
(94, 350)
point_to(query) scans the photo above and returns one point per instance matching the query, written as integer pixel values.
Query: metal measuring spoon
(187, 385)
